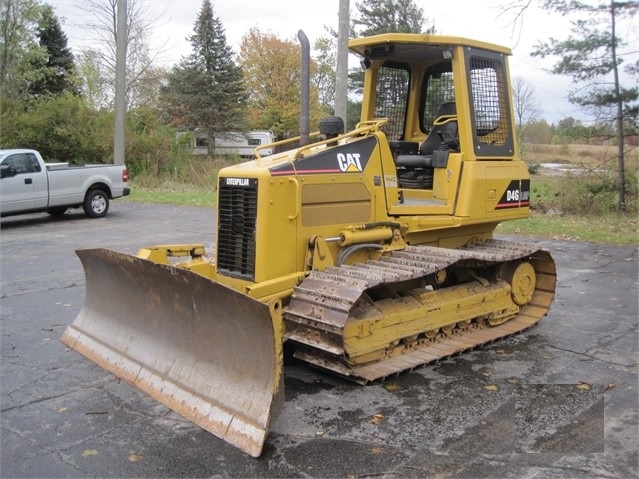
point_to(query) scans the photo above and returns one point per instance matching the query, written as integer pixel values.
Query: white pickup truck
(29, 185)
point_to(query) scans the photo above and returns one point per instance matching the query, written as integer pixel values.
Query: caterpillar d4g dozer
(370, 252)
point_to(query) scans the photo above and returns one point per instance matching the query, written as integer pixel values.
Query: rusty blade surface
(204, 350)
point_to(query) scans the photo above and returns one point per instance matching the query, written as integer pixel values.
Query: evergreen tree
(384, 16)
(206, 90)
(591, 56)
(57, 68)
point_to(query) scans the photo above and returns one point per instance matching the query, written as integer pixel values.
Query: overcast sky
(478, 19)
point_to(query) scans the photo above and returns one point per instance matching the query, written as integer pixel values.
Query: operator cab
(442, 96)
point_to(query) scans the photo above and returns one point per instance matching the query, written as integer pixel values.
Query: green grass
(579, 207)
(173, 193)
(610, 228)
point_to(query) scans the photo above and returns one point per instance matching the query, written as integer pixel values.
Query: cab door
(23, 184)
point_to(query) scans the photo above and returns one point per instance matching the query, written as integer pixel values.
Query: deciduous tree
(537, 132)
(272, 68)
(62, 128)
(526, 108)
(19, 46)
(143, 78)
(325, 60)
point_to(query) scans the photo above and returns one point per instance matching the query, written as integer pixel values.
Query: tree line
(62, 103)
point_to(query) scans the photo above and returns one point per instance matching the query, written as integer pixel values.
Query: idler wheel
(521, 277)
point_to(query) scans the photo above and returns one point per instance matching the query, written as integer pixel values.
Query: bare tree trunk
(210, 144)
(621, 178)
(141, 78)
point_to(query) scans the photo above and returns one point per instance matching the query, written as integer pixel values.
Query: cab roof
(413, 47)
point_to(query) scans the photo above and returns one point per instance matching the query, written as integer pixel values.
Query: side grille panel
(237, 211)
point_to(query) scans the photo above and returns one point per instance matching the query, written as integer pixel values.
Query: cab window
(393, 85)
(20, 163)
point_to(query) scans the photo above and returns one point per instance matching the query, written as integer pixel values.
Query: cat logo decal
(349, 162)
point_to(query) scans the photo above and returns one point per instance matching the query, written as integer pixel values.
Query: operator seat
(416, 170)
(441, 133)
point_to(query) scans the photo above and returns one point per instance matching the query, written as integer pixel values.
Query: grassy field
(610, 228)
(573, 195)
(172, 193)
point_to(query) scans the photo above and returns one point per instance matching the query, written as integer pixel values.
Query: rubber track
(325, 298)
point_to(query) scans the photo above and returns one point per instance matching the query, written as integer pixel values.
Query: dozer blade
(204, 350)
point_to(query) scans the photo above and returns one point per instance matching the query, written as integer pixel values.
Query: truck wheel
(96, 204)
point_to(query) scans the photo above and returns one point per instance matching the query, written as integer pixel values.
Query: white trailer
(236, 143)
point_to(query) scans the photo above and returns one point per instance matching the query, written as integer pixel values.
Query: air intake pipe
(305, 116)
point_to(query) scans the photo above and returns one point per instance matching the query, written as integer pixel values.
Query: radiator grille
(237, 211)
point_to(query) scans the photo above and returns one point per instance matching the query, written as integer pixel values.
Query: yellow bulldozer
(368, 252)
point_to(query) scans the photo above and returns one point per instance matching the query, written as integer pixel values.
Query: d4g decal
(517, 195)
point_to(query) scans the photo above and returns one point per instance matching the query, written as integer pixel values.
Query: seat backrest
(446, 109)
(440, 133)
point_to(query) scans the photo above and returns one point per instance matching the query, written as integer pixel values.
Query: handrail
(375, 123)
(363, 128)
(298, 199)
(279, 143)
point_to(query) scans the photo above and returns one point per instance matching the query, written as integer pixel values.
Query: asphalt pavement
(557, 401)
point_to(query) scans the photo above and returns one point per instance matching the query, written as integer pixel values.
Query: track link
(328, 303)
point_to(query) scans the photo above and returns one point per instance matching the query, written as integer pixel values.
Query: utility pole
(341, 73)
(120, 83)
